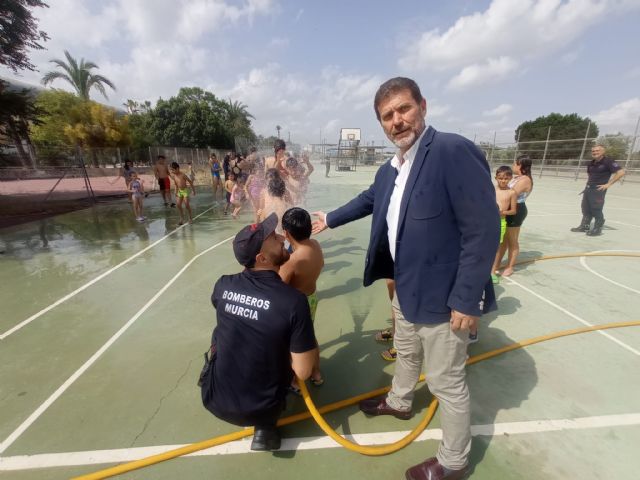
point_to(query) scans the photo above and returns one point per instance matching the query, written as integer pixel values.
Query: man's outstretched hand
(320, 223)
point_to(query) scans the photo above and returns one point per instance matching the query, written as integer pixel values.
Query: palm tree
(79, 76)
(278, 128)
(239, 117)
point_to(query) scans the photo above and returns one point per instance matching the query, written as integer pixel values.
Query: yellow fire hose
(317, 413)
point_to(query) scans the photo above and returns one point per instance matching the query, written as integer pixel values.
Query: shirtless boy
(277, 161)
(304, 265)
(507, 204)
(161, 172)
(298, 178)
(182, 190)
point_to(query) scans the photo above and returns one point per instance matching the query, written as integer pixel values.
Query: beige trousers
(443, 353)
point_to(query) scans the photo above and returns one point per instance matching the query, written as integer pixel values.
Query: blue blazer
(448, 230)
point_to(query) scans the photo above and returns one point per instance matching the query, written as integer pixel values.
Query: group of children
(267, 190)
(266, 185)
(183, 187)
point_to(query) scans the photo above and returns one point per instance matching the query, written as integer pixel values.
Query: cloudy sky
(314, 66)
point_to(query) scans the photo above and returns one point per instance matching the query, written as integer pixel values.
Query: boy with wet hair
(161, 172)
(305, 263)
(182, 182)
(507, 205)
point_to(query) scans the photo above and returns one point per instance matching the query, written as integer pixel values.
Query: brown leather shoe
(430, 469)
(378, 406)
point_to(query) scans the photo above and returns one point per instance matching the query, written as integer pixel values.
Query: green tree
(140, 127)
(17, 115)
(79, 76)
(570, 128)
(193, 118)
(69, 122)
(99, 126)
(134, 107)
(239, 120)
(19, 32)
(59, 108)
(617, 145)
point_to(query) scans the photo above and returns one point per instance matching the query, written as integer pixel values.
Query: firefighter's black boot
(584, 225)
(597, 228)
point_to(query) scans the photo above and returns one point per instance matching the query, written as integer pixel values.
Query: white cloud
(633, 73)
(619, 118)
(491, 124)
(188, 20)
(436, 110)
(301, 104)
(279, 42)
(156, 71)
(493, 70)
(509, 28)
(570, 57)
(502, 109)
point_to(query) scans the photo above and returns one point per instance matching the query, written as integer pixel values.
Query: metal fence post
(150, 156)
(32, 155)
(584, 146)
(546, 147)
(633, 145)
(493, 146)
(515, 153)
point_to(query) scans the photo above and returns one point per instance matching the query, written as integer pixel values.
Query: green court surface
(104, 322)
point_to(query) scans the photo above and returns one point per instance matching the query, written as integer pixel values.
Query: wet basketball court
(104, 322)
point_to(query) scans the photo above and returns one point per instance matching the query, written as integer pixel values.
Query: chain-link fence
(561, 157)
(43, 180)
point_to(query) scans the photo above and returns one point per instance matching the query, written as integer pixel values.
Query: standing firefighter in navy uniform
(600, 170)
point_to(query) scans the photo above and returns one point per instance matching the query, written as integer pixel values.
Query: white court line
(536, 203)
(624, 223)
(88, 284)
(572, 315)
(608, 194)
(552, 215)
(47, 403)
(49, 460)
(583, 262)
(544, 214)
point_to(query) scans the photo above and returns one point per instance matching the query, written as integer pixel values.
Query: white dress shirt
(393, 213)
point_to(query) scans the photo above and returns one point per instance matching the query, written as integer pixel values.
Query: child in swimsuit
(136, 190)
(215, 166)
(238, 196)
(507, 204)
(182, 182)
(275, 196)
(506, 200)
(228, 187)
(255, 187)
(304, 265)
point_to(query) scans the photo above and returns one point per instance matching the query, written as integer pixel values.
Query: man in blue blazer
(435, 230)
